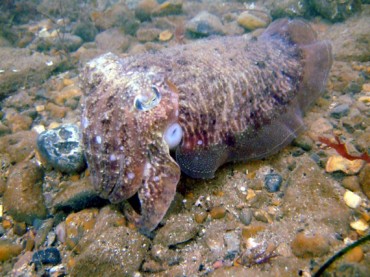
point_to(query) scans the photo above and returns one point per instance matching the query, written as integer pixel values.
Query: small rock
(62, 148)
(18, 122)
(55, 110)
(144, 9)
(352, 200)
(112, 40)
(262, 216)
(165, 35)
(200, 217)
(253, 19)
(76, 196)
(19, 145)
(147, 34)
(359, 225)
(86, 30)
(77, 225)
(47, 256)
(217, 212)
(289, 8)
(336, 10)
(19, 228)
(117, 251)
(179, 228)
(65, 41)
(68, 92)
(168, 8)
(352, 269)
(205, 24)
(232, 241)
(246, 216)
(304, 142)
(364, 179)
(251, 231)
(354, 255)
(273, 182)
(23, 198)
(339, 163)
(8, 250)
(305, 246)
(340, 111)
(351, 183)
(43, 231)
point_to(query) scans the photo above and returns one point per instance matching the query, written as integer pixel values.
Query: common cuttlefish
(194, 107)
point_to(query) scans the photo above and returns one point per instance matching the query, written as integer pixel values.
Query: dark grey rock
(77, 196)
(340, 111)
(205, 24)
(273, 182)
(62, 148)
(246, 216)
(47, 256)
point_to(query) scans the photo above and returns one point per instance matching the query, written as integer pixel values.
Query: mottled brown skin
(235, 99)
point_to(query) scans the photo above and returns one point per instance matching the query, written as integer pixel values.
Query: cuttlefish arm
(160, 177)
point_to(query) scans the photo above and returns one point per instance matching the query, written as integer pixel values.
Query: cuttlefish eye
(173, 135)
(145, 103)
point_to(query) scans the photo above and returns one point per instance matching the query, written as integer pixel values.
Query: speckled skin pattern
(235, 98)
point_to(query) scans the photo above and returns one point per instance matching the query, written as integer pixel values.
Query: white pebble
(352, 200)
(359, 225)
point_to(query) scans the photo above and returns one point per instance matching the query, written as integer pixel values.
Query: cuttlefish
(195, 107)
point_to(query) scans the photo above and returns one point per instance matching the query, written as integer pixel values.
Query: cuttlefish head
(129, 124)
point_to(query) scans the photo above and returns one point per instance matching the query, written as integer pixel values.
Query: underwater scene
(184, 138)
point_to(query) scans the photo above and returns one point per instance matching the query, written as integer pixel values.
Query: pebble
(289, 8)
(77, 225)
(304, 246)
(112, 40)
(200, 217)
(251, 231)
(168, 8)
(339, 163)
(354, 255)
(19, 228)
(246, 216)
(8, 250)
(179, 228)
(205, 24)
(165, 35)
(339, 111)
(67, 93)
(117, 251)
(19, 145)
(253, 19)
(359, 225)
(147, 34)
(262, 216)
(43, 231)
(47, 256)
(55, 110)
(62, 149)
(18, 122)
(232, 241)
(364, 179)
(23, 198)
(217, 212)
(352, 200)
(273, 182)
(336, 10)
(351, 183)
(304, 142)
(76, 196)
